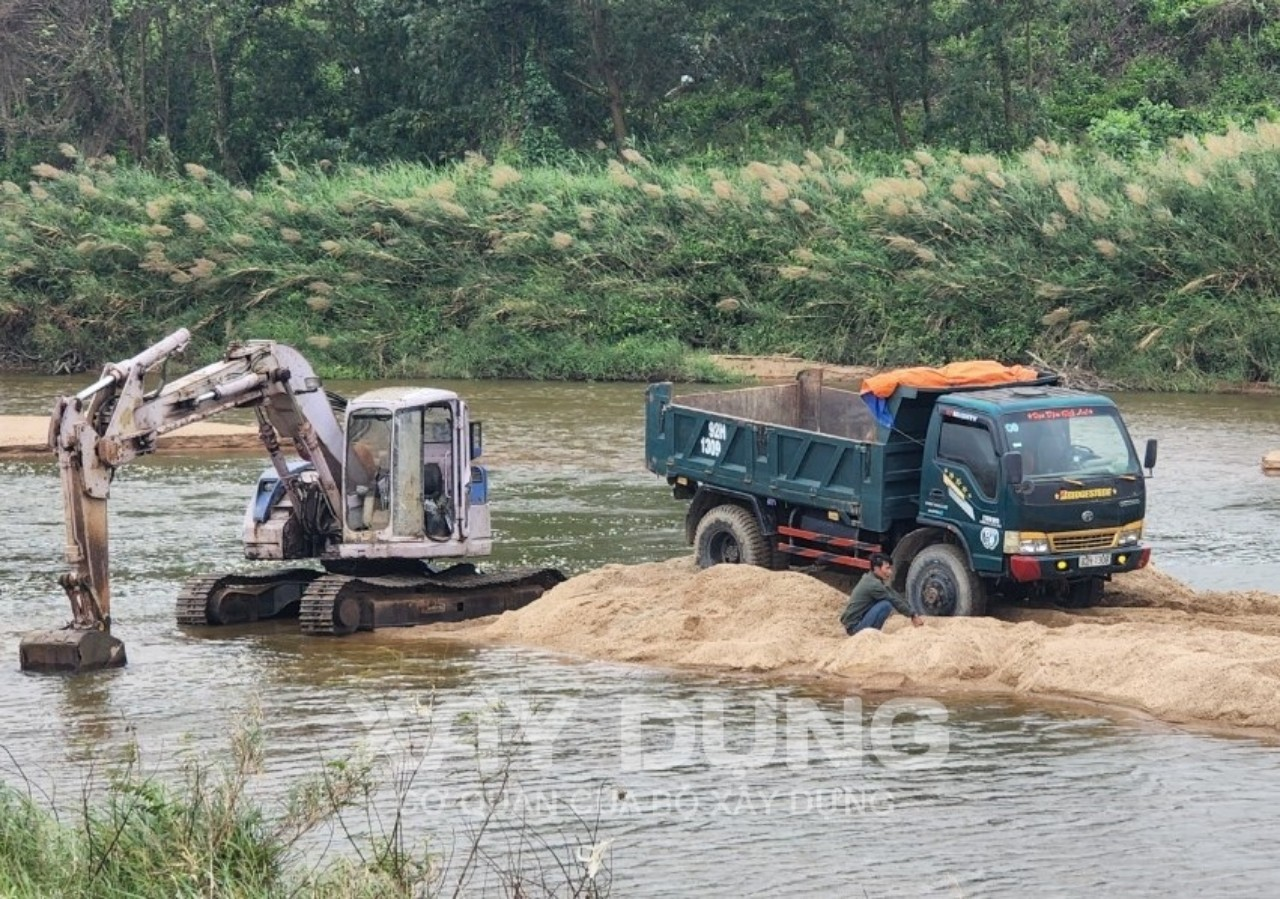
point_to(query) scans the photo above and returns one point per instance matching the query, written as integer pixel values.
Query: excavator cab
(408, 478)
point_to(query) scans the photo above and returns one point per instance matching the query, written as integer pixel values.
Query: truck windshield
(1074, 442)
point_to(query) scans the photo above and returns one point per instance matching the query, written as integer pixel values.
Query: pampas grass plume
(1106, 248)
(634, 157)
(504, 176)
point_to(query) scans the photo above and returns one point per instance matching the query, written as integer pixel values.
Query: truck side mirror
(477, 440)
(1149, 457)
(1011, 467)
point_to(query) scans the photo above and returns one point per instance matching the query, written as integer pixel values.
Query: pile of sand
(670, 613)
(1155, 646)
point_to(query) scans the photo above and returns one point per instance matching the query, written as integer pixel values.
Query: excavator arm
(116, 419)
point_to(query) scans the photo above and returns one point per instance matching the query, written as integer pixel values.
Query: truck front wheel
(940, 578)
(731, 534)
(1083, 594)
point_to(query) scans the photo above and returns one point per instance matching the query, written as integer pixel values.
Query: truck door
(961, 485)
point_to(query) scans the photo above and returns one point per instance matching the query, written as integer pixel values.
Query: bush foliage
(1153, 269)
(341, 832)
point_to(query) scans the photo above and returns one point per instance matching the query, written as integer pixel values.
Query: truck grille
(1079, 541)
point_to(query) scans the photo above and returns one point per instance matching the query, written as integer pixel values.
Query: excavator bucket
(70, 651)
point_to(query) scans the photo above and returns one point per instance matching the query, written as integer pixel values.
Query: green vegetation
(1156, 269)
(206, 835)
(311, 171)
(235, 84)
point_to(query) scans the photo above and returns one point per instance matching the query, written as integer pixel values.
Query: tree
(58, 77)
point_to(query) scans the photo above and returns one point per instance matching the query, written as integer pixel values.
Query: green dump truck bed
(802, 443)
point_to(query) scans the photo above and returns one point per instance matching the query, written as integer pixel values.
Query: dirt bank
(26, 437)
(785, 368)
(1156, 646)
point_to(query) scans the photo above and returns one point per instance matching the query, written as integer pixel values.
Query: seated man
(873, 600)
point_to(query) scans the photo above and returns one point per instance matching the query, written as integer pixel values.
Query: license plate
(1095, 560)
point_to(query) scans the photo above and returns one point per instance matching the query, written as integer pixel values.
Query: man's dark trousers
(874, 617)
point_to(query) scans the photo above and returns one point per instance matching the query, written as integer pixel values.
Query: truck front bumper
(1073, 566)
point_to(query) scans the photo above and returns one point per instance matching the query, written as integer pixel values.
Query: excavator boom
(115, 420)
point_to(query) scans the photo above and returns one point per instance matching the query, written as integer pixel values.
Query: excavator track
(192, 605)
(319, 602)
(338, 604)
(242, 597)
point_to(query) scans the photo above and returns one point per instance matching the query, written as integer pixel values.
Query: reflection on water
(706, 786)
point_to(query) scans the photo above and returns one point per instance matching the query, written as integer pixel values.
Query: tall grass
(203, 833)
(138, 836)
(1156, 271)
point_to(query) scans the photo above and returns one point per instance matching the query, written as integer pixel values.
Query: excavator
(385, 490)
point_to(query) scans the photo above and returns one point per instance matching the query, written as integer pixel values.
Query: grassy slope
(1156, 272)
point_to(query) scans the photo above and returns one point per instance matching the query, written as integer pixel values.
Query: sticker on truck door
(958, 492)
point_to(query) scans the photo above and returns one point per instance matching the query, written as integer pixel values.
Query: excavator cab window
(438, 502)
(407, 513)
(368, 475)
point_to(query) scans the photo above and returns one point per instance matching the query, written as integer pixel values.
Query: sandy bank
(1157, 646)
(26, 437)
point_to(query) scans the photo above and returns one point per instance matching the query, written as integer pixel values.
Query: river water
(686, 784)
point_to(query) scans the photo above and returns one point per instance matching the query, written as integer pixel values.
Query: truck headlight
(1130, 535)
(1025, 542)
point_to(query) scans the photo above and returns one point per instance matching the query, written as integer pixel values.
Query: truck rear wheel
(730, 534)
(940, 578)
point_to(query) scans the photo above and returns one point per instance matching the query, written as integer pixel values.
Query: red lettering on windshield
(1054, 414)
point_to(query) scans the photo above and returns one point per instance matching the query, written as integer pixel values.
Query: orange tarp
(977, 373)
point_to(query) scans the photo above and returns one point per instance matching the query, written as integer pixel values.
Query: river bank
(1206, 659)
(637, 270)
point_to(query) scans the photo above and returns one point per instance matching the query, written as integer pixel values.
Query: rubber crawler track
(192, 605)
(322, 597)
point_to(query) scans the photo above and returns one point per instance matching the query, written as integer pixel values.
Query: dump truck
(383, 499)
(997, 483)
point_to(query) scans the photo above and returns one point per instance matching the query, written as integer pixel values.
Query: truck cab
(1042, 485)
